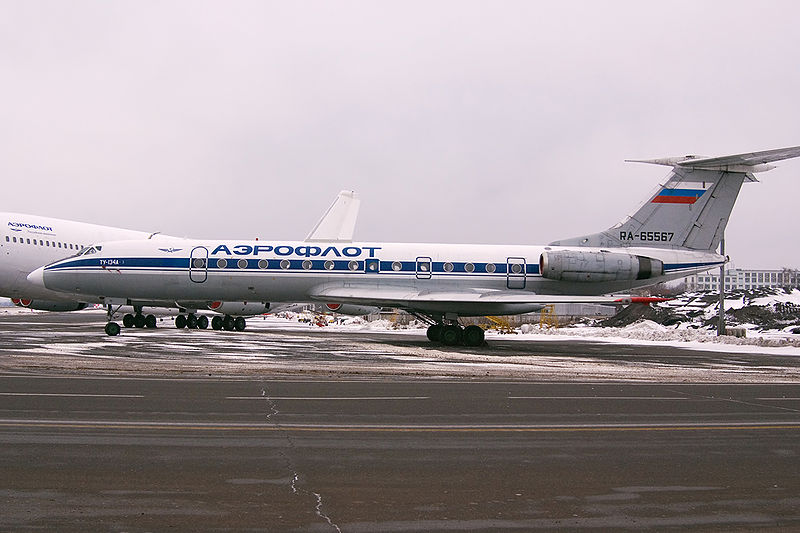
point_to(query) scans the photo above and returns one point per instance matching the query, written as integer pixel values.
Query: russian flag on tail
(677, 196)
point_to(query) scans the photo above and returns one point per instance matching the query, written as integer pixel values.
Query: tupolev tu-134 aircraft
(675, 233)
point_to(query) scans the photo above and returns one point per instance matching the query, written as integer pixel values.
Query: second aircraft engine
(571, 265)
(351, 309)
(239, 308)
(47, 305)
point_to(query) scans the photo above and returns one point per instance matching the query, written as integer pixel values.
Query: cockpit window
(88, 251)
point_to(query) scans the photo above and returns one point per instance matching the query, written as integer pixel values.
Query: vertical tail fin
(339, 221)
(692, 208)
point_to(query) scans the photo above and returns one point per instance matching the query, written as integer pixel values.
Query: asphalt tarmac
(84, 449)
(141, 454)
(75, 342)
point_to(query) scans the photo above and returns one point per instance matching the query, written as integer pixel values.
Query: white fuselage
(28, 242)
(301, 272)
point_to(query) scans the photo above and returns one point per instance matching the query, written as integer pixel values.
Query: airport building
(738, 278)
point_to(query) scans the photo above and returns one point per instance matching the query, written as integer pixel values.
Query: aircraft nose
(37, 277)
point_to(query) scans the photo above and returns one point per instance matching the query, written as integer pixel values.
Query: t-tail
(690, 211)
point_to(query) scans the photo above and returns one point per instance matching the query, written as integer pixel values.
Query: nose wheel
(112, 329)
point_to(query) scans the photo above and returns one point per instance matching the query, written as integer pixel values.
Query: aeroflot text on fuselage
(302, 251)
(17, 226)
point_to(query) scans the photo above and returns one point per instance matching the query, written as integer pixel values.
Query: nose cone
(37, 277)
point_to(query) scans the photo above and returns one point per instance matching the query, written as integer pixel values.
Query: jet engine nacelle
(598, 266)
(48, 305)
(350, 309)
(239, 308)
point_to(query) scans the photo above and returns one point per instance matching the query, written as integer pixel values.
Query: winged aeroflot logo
(170, 250)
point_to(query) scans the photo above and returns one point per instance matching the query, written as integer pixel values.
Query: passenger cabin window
(29, 241)
(7, 239)
(15, 239)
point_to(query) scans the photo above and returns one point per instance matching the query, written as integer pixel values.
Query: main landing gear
(450, 333)
(228, 323)
(137, 320)
(191, 321)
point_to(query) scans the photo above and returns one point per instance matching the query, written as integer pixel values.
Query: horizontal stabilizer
(746, 163)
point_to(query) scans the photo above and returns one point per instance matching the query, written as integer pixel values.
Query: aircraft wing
(474, 302)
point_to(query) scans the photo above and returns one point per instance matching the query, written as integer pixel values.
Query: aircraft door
(198, 264)
(424, 267)
(515, 272)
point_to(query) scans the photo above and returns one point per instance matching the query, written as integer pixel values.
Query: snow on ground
(643, 332)
(285, 346)
(683, 335)
(648, 332)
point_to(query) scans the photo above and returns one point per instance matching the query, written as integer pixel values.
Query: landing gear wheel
(240, 323)
(150, 321)
(451, 335)
(138, 320)
(127, 320)
(216, 323)
(191, 322)
(112, 329)
(228, 323)
(435, 332)
(473, 336)
(180, 321)
(202, 322)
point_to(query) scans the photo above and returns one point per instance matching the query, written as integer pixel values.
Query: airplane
(675, 233)
(31, 241)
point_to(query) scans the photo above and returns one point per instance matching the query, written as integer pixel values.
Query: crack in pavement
(294, 485)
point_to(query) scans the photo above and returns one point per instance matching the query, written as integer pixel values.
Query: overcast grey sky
(493, 122)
